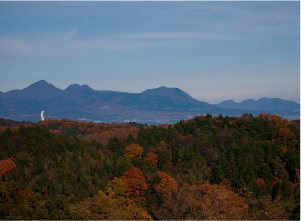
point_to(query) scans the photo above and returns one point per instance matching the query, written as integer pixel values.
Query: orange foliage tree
(28, 192)
(215, 202)
(135, 182)
(45, 190)
(260, 182)
(5, 166)
(265, 116)
(151, 158)
(284, 132)
(133, 151)
(226, 183)
(167, 184)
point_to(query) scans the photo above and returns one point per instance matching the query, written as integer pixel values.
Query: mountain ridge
(264, 104)
(77, 102)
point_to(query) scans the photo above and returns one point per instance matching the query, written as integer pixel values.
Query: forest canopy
(202, 168)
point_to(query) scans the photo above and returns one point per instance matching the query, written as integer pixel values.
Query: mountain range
(267, 104)
(159, 105)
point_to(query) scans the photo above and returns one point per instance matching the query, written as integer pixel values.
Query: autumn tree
(115, 188)
(135, 182)
(5, 166)
(265, 209)
(151, 158)
(277, 119)
(204, 202)
(28, 192)
(45, 190)
(215, 202)
(133, 151)
(111, 204)
(284, 131)
(226, 183)
(265, 116)
(167, 185)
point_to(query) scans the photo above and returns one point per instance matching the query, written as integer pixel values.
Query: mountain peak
(41, 82)
(77, 87)
(40, 90)
(165, 91)
(263, 104)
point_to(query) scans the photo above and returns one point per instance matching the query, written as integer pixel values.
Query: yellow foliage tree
(163, 144)
(115, 188)
(104, 207)
(133, 151)
(277, 119)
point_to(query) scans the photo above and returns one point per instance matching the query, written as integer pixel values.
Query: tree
(28, 192)
(151, 158)
(277, 119)
(204, 202)
(111, 205)
(5, 166)
(284, 131)
(163, 144)
(167, 185)
(45, 190)
(215, 202)
(135, 182)
(133, 151)
(164, 159)
(116, 188)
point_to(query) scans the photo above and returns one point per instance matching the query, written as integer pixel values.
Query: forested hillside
(203, 168)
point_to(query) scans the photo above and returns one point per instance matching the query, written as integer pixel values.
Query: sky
(214, 51)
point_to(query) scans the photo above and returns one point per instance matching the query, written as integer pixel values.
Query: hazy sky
(213, 51)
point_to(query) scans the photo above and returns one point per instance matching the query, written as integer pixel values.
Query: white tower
(42, 117)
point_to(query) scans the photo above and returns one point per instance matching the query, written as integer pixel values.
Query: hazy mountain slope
(40, 90)
(267, 104)
(79, 102)
(82, 101)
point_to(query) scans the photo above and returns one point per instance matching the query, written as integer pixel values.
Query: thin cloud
(104, 43)
(238, 18)
(60, 44)
(178, 35)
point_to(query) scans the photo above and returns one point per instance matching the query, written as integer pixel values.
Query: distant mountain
(159, 105)
(83, 102)
(264, 104)
(165, 91)
(40, 91)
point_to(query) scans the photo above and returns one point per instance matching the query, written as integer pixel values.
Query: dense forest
(202, 168)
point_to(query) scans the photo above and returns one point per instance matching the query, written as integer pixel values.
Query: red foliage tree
(45, 190)
(265, 116)
(135, 182)
(260, 182)
(276, 179)
(5, 166)
(151, 158)
(167, 184)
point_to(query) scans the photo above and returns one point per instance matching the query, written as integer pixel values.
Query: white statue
(42, 117)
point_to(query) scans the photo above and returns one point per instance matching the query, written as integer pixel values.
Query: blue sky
(213, 51)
